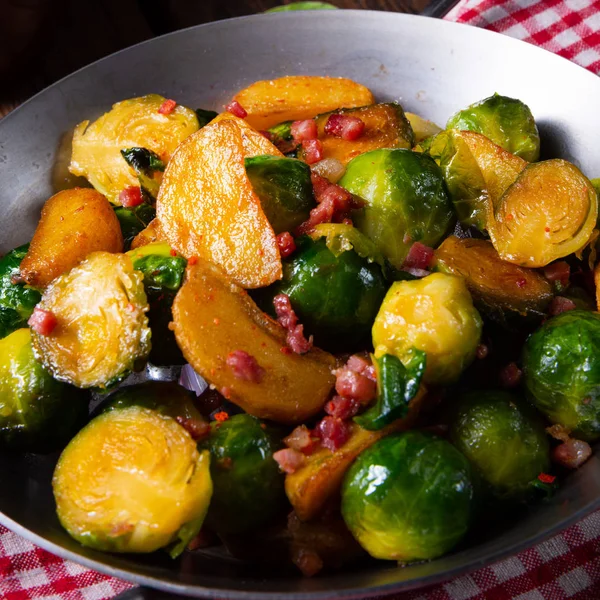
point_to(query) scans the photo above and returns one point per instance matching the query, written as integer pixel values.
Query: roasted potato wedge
(309, 488)
(207, 207)
(213, 317)
(294, 97)
(74, 223)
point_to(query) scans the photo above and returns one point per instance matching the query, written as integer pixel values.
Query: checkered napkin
(566, 566)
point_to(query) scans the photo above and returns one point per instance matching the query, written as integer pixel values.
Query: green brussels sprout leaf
(145, 163)
(596, 184)
(397, 385)
(282, 131)
(17, 300)
(302, 6)
(134, 220)
(546, 490)
(205, 116)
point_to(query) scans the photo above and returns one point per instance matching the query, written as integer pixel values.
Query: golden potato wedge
(147, 236)
(135, 122)
(213, 317)
(309, 488)
(74, 223)
(269, 102)
(207, 207)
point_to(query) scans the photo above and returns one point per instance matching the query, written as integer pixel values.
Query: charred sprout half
(508, 122)
(101, 329)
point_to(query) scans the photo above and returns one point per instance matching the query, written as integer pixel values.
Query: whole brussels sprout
(132, 480)
(408, 497)
(248, 486)
(503, 439)
(561, 363)
(506, 121)
(405, 197)
(435, 315)
(37, 413)
(16, 299)
(284, 188)
(336, 295)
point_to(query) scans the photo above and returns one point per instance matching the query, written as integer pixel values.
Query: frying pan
(433, 68)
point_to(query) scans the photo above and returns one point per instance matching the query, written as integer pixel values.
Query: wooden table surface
(44, 40)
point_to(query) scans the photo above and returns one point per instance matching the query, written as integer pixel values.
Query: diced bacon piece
(572, 453)
(419, 256)
(236, 109)
(342, 407)
(319, 183)
(286, 244)
(167, 107)
(358, 363)
(560, 304)
(344, 126)
(286, 146)
(285, 313)
(510, 376)
(313, 151)
(559, 272)
(333, 432)
(355, 386)
(300, 439)
(267, 134)
(42, 321)
(289, 460)
(304, 130)
(197, 428)
(245, 366)
(297, 341)
(131, 196)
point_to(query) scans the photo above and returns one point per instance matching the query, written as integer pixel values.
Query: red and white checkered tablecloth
(566, 566)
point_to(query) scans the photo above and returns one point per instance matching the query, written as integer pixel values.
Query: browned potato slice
(549, 212)
(213, 317)
(299, 97)
(147, 236)
(207, 207)
(309, 488)
(74, 223)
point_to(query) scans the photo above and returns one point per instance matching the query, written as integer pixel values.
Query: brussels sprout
(282, 131)
(422, 128)
(16, 300)
(561, 363)
(336, 296)
(146, 165)
(102, 329)
(248, 487)
(132, 481)
(435, 315)
(397, 385)
(163, 276)
(506, 121)
(302, 6)
(37, 413)
(476, 171)
(405, 198)
(596, 184)
(131, 123)
(500, 289)
(284, 188)
(134, 220)
(205, 116)
(503, 439)
(386, 126)
(408, 497)
(549, 212)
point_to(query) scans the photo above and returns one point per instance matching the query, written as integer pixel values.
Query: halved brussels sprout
(504, 440)
(37, 413)
(205, 116)
(499, 288)
(561, 363)
(386, 126)
(476, 171)
(284, 188)
(16, 299)
(422, 128)
(133, 221)
(102, 329)
(335, 295)
(435, 315)
(136, 122)
(248, 486)
(405, 198)
(132, 481)
(408, 497)
(506, 121)
(550, 211)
